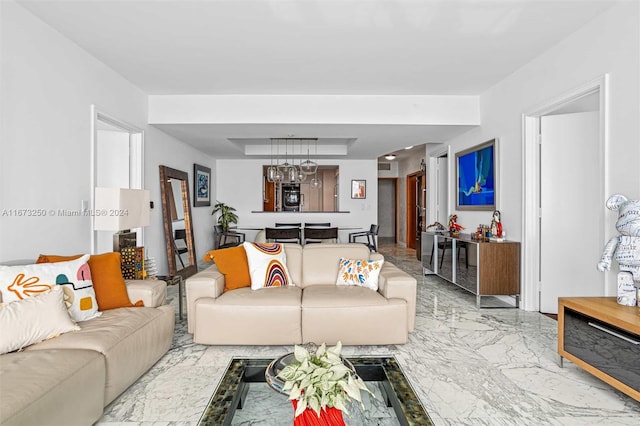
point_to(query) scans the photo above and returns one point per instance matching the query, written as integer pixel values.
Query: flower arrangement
(321, 380)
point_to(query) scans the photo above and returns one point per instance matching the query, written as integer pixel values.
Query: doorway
(388, 210)
(117, 161)
(416, 209)
(564, 193)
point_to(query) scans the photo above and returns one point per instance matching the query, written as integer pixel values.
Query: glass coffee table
(244, 397)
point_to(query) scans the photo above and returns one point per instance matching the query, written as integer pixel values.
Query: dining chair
(180, 235)
(318, 225)
(370, 235)
(283, 235)
(320, 235)
(222, 238)
(444, 245)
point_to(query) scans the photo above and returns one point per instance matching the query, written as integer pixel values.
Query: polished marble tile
(468, 366)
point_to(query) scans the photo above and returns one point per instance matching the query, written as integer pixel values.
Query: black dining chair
(180, 235)
(446, 244)
(222, 238)
(320, 235)
(370, 235)
(318, 225)
(283, 235)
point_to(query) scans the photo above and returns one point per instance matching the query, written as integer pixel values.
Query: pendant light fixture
(301, 176)
(309, 167)
(271, 170)
(278, 175)
(315, 182)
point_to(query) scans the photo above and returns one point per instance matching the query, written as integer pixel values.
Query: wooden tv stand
(602, 337)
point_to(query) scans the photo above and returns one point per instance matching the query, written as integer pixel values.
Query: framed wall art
(476, 187)
(201, 186)
(358, 189)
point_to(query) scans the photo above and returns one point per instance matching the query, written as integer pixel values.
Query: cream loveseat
(69, 379)
(314, 310)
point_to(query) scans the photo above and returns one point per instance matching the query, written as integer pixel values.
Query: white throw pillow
(24, 281)
(37, 318)
(267, 265)
(360, 272)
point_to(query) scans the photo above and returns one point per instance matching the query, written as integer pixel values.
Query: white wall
(47, 86)
(608, 44)
(239, 184)
(162, 149)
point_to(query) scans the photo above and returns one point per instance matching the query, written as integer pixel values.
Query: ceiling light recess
(390, 157)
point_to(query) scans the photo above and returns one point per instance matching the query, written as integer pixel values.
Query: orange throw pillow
(232, 263)
(111, 291)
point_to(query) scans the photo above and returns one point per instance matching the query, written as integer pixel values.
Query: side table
(175, 280)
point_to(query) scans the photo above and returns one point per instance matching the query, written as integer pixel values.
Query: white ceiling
(311, 47)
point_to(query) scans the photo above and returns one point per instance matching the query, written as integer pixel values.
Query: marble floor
(468, 366)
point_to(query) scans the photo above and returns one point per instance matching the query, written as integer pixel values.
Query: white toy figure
(626, 246)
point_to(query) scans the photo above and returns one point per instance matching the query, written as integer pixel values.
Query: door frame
(136, 162)
(530, 256)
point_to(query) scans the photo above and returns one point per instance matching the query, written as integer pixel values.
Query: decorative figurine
(453, 225)
(437, 225)
(625, 248)
(496, 225)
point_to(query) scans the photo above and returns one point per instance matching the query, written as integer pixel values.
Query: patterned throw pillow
(23, 281)
(360, 272)
(37, 318)
(267, 265)
(108, 283)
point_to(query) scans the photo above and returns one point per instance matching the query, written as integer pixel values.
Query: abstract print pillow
(267, 265)
(360, 272)
(23, 281)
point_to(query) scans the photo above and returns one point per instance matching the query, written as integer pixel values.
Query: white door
(572, 211)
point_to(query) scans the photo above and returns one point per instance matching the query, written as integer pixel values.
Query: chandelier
(288, 172)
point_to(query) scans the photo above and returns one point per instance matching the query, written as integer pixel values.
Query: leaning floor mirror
(178, 229)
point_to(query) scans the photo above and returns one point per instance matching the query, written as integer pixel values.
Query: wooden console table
(488, 269)
(602, 337)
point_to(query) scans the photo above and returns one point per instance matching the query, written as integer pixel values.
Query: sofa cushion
(37, 318)
(360, 272)
(131, 340)
(269, 316)
(54, 387)
(232, 263)
(19, 282)
(267, 265)
(108, 282)
(353, 315)
(320, 262)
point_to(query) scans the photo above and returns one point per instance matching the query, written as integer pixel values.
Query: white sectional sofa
(69, 379)
(314, 310)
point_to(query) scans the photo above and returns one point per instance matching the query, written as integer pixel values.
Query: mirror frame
(167, 173)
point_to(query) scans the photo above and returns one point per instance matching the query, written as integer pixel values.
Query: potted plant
(227, 215)
(321, 385)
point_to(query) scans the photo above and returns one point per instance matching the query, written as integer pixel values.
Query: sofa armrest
(206, 283)
(394, 283)
(153, 293)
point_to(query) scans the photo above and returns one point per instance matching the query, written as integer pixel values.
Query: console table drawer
(613, 351)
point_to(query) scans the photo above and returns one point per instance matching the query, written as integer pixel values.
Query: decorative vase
(329, 416)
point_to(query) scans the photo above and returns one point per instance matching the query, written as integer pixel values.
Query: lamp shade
(117, 209)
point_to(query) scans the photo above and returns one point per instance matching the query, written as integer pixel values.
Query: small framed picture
(201, 186)
(358, 188)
